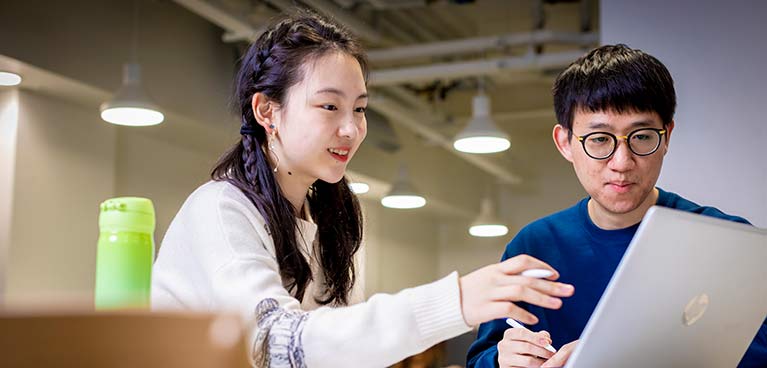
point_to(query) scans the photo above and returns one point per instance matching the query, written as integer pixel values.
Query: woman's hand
(490, 292)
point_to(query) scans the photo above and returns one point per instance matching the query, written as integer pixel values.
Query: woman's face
(322, 121)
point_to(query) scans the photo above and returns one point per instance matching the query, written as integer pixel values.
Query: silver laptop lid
(691, 291)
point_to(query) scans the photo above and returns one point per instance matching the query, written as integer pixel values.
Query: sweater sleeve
(386, 328)
(378, 332)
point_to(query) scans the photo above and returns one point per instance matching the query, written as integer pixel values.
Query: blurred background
(430, 60)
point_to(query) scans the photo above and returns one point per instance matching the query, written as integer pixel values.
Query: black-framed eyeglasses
(602, 145)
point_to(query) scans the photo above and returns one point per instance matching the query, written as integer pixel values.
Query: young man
(615, 108)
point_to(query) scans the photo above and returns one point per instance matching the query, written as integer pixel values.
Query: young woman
(274, 235)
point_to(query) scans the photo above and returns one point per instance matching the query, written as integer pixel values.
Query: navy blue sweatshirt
(586, 257)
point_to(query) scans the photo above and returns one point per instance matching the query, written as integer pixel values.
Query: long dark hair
(271, 66)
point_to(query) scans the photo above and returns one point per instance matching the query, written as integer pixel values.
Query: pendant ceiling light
(9, 79)
(481, 135)
(402, 194)
(487, 224)
(359, 187)
(131, 105)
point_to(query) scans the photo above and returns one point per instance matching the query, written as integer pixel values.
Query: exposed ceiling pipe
(238, 28)
(480, 44)
(414, 121)
(463, 69)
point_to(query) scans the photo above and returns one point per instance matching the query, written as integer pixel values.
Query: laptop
(691, 291)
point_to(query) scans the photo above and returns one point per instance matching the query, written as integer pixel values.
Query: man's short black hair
(614, 78)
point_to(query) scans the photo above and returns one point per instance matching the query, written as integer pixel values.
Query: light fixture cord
(134, 41)
(481, 85)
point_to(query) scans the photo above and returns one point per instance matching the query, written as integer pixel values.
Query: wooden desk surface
(121, 339)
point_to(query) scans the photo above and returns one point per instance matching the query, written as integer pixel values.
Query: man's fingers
(526, 348)
(525, 361)
(541, 338)
(557, 360)
(523, 348)
(560, 358)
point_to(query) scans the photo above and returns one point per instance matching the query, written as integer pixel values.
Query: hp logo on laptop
(695, 309)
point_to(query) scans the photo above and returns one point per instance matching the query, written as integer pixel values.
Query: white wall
(716, 53)
(400, 248)
(9, 115)
(64, 167)
(166, 173)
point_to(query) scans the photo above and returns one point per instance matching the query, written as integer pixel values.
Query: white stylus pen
(515, 324)
(538, 274)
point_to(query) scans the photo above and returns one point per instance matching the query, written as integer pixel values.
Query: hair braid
(249, 158)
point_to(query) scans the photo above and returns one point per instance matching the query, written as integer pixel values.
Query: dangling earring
(271, 147)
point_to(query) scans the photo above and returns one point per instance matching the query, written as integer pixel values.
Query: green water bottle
(125, 253)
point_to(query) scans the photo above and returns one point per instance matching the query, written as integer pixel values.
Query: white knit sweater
(218, 256)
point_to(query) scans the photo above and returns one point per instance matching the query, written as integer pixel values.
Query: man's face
(622, 182)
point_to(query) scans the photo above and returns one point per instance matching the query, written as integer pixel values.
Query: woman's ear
(264, 110)
(562, 141)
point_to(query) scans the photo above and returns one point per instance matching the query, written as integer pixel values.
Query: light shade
(488, 231)
(487, 224)
(9, 79)
(131, 106)
(403, 201)
(481, 135)
(402, 194)
(359, 188)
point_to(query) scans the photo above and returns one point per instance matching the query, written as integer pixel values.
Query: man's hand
(523, 348)
(560, 358)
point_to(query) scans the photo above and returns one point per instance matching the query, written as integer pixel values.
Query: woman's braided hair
(272, 65)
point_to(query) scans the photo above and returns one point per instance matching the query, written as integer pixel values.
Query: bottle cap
(127, 214)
